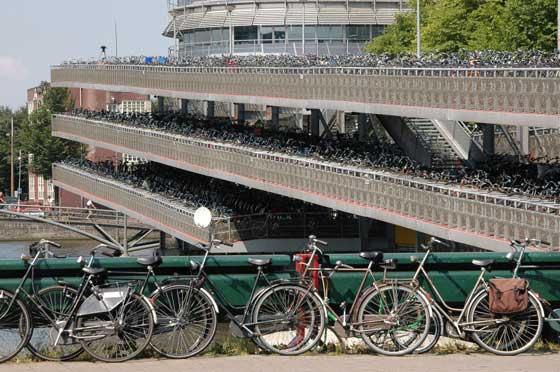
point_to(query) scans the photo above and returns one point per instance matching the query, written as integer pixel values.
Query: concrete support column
(314, 125)
(241, 112)
(523, 139)
(420, 239)
(275, 122)
(390, 235)
(184, 105)
(162, 242)
(364, 225)
(362, 127)
(161, 104)
(488, 139)
(210, 109)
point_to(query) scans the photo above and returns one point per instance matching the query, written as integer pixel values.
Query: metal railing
(177, 220)
(479, 218)
(531, 96)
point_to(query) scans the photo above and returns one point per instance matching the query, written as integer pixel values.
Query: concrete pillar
(162, 242)
(420, 239)
(390, 235)
(364, 225)
(241, 112)
(275, 122)
(314, 125)
(523, 139)
(161, 104)
(488, 139)
(184, 105)
(209, 109)
(362, 127)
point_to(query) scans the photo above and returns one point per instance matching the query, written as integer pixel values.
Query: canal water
(69, 248)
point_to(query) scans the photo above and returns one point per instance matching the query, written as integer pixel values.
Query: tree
(451, 25)
(36, 133)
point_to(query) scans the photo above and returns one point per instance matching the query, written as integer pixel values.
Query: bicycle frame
(332, 314)
(201, 279)
(441, 305)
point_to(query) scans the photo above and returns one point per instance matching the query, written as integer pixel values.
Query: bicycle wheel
(186, 321)
(118, 335)
(434, 333)
(15, 325)
(505, 334)
(288, 320)
(56, 303)
(393, 320)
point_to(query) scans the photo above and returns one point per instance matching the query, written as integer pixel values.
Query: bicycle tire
(176, 317)
(116, 347)
(57, 301)
(306, 323)
(395, 304)
(15, 325)
(434, 334)
(522, 328)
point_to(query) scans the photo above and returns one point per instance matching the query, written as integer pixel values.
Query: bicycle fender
(152, 309)
(211, 299)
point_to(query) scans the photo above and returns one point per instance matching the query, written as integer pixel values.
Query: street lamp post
(19, 180)
(558, 30)
(418, 49)
(230, 9)
(12, 158)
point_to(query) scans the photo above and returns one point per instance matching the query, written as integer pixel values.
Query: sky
(35, 34)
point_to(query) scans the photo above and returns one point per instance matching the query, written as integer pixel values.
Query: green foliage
(36, 133)
(451, 25)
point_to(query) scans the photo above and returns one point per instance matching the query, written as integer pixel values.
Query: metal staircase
(442, 153)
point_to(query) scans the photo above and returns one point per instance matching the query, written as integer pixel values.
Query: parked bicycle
(282, 317)
(392, 318)
(507, 333)
(109, 320)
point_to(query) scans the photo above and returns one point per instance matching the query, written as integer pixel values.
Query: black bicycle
(111, 321)
(280, 316)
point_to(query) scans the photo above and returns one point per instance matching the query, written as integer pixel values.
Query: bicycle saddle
(374, 256)
(94, 270)
(483, 263)
(149, 261)
(260, 262)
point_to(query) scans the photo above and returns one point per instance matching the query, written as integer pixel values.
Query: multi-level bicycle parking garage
(466, 215)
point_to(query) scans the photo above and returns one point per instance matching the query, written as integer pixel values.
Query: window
(327, 33)
(377, 30)
(279, 34)
(242, 33)
(40, 188)
(266, 34)
(357, 32)
(294, 33)
(32, 195)
(202, 37)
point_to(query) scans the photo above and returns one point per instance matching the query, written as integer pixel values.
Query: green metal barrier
(453, 273)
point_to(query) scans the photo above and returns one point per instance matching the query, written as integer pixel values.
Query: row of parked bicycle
(435, 59)
(191, 190)
(115, 320)
(504, 173)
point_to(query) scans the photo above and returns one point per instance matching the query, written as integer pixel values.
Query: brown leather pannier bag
(507, 296)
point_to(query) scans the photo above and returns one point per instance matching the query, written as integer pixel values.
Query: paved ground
(323, 363)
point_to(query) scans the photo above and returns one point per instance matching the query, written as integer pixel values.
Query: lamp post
(558, 30)
(12, 158)
(230, 8)
(19, 180)
(303, 28)
(418, 50)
